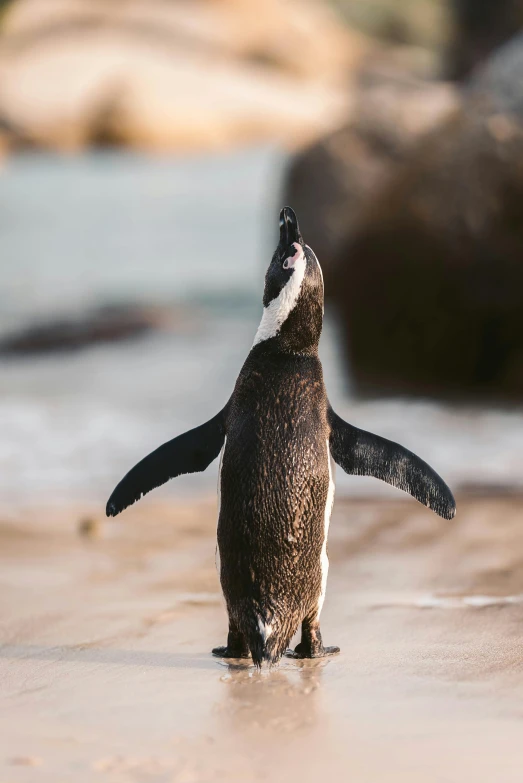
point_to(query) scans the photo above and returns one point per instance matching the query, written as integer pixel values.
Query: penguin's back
(274, 487)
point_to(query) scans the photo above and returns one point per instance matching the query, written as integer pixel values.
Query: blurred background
(146, 147)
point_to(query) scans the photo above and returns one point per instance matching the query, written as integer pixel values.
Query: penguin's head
(293, 295)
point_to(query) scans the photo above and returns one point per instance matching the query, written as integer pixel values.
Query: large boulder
(430, 286)
(329, 182)
(109, 323)
(499, 82)
(479, 28)
(275, 32)
(170, 76)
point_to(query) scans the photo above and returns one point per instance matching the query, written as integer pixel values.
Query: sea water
(195, 236)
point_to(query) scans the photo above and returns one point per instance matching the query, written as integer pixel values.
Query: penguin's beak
(289, 228)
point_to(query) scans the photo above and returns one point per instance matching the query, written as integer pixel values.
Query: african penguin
(279, 437)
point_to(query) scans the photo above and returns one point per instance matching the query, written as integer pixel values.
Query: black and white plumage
(278, 438)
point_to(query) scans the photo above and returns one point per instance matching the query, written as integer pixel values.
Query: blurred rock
(417, 23)
(181, 75)
(26, 761)
(275, 32)
(499, 82)
(480, 27)
(5, 143)
(431, 284)
(104, 324)
(12, 138)
(329, 182)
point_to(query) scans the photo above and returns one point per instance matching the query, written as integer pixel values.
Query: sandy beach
(106, 674)
(146, 150)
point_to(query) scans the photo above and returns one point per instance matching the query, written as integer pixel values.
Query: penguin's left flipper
(361, 453)
(188, 453)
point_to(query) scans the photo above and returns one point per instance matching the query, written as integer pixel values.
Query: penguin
(279, 439)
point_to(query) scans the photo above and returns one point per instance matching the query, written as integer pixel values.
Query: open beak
(289, 228)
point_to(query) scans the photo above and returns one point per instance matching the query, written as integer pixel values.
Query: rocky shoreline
(166, 77)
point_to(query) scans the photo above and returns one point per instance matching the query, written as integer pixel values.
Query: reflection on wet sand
(106, 671)
(283, 699)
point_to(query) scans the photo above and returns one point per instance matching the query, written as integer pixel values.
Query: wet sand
(106, 628)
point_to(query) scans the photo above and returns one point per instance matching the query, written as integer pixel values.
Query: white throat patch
(277, 311)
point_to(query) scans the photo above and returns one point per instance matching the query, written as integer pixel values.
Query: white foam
(278, 310)
(72, 426)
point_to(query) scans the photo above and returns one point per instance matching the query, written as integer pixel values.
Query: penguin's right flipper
(361, 453)
(191, 452)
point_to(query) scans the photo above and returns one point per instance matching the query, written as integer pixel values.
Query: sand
(106, 628)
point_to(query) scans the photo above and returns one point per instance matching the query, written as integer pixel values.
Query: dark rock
(431, 285)
(499, 83)
(171, 76)
(481, 26)
(329, 183)
(105, 324)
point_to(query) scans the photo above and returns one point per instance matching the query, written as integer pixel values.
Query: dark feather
(191, 452)
(361, 453)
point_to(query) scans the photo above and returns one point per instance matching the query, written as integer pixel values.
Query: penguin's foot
(306, 651)
(230, 652)
(311, 645)
(236, 646)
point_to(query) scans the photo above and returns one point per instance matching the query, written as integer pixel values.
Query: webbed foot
(236, 646)
(306, 651)
(311, 645)
(230, 652)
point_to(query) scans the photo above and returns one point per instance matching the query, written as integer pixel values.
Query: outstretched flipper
(191, 452)
(361, 453)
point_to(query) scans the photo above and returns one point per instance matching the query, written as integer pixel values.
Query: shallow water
(195, 234)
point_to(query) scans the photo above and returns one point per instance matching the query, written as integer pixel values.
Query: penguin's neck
(298, 333)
